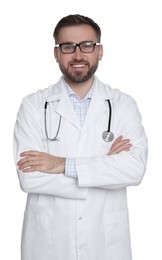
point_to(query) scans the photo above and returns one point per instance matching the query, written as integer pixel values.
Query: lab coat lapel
(63, 105)
(97, 107)
(66, 110)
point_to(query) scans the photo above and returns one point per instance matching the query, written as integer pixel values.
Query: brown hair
(76, 19)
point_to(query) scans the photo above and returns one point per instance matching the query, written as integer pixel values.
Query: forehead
(77, 33)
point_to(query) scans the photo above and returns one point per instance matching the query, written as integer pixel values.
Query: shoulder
(117, 96)
(39, 97)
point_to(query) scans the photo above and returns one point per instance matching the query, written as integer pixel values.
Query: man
(74, 169)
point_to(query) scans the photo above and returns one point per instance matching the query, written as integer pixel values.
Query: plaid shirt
(81, 107)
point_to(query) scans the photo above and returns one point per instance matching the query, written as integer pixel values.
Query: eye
(68, 47)
(87, 45)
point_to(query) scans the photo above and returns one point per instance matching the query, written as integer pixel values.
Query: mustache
(74, 62)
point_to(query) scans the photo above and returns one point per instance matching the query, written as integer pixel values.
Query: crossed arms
(40, 161)
(124, 168)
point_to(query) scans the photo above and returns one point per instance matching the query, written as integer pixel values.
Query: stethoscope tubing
(110, 114)
(107, 135)
(45, 123)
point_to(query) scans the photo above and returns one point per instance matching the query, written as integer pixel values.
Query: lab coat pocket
(36, 237)
(117, 235)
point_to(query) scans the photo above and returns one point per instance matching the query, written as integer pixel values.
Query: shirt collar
(71, 93)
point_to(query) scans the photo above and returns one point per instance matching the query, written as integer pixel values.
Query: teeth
(79, 65)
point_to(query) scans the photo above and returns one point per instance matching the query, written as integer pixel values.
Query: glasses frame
(75, 46)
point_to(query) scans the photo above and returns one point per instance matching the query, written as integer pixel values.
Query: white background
(132, 39)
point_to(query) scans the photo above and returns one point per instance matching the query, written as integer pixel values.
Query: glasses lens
(87, 47)
(67, 48)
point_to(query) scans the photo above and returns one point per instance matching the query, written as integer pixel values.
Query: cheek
(95, 60)
(63, 60)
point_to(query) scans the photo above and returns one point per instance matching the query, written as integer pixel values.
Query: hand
(120, 145)
(40, 161)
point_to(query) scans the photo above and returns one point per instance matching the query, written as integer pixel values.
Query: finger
(25, 165)
(30, 153)
(118, 139)
(28, 163)
(28, 159)
(119, 144)
(24, 160)
(122, 143)
(31, 169)
(121, 148)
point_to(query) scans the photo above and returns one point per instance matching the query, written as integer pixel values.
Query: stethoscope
(107, 135)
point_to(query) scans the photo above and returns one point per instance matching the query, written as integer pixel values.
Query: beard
(78, 76)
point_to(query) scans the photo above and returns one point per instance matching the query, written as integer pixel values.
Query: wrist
(62, 165)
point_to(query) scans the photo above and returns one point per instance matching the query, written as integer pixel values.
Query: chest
(76, 139)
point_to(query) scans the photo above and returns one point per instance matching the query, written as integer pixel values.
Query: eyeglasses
(70, 47)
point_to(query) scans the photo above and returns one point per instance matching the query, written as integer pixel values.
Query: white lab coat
(84, 218)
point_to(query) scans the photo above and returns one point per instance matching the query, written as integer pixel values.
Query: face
(78, 67)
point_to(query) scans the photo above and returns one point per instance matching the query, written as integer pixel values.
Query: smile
(78, 65)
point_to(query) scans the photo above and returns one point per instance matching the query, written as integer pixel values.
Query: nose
(77, 54)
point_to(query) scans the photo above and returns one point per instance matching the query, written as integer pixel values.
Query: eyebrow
(75, 42)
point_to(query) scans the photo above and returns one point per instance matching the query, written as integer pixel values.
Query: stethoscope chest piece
(107, 136)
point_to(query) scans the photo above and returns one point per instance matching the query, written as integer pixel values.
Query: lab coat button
(80, 218)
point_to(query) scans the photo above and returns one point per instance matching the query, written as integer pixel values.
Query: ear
(100, 52)
(56, 54)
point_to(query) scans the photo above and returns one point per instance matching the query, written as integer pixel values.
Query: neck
(81, 89)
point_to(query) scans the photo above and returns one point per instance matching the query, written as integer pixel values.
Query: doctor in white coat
(76, 181)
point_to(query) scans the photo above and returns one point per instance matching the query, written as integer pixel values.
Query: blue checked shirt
(81, 107)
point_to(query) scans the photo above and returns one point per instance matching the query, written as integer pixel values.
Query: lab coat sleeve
(28, 136)
(123, 169)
